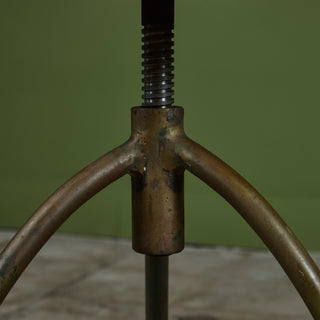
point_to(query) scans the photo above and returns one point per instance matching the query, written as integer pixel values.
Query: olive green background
(247, 73)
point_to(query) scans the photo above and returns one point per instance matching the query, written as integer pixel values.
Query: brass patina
(157, 181)
(156, 156)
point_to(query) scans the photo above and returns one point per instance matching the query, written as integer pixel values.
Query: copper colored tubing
(175, 148)
(56, 209)
(264, 220)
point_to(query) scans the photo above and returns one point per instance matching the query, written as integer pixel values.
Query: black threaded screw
(158, 66)
(158, 22)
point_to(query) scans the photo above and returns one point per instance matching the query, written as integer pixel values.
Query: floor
(82, 277)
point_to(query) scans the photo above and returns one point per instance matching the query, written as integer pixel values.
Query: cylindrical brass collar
(157, 182)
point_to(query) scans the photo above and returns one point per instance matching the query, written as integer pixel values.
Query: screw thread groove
(157, 66)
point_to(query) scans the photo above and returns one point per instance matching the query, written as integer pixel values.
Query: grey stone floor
(82, 277)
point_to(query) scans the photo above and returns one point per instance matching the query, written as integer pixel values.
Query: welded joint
(157, 181)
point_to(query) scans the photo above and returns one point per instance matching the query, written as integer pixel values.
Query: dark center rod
(158, 23)
(156, 287)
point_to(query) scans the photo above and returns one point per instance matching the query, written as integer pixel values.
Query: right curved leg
(57, 208)
(259, 214)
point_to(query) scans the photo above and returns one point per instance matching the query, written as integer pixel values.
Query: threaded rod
(158, 22)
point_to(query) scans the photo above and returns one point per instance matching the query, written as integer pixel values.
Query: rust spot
(171, 115)
(176, 237)
(162, 133)
(154, 184)
(32, 232)
(174, 182)
(8, 272)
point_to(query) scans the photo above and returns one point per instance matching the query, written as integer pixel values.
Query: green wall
(247, 73)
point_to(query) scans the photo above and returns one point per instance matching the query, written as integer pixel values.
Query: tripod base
(156, 156)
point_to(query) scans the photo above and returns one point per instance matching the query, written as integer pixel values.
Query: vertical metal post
(156, 287)
(158, 21)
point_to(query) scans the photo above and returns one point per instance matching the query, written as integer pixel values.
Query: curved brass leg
(57, 208)
(265, 221)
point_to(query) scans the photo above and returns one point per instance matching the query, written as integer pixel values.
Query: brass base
(156, 156)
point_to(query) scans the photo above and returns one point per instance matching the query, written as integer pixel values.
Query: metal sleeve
(259, 214)
(56, 209)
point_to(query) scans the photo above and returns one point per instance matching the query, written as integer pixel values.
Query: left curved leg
(57, 208)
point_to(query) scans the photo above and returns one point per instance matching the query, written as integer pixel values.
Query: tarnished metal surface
(156, 156)
(56, 209)
(157, 182)
(259, 214)
(156, 277)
